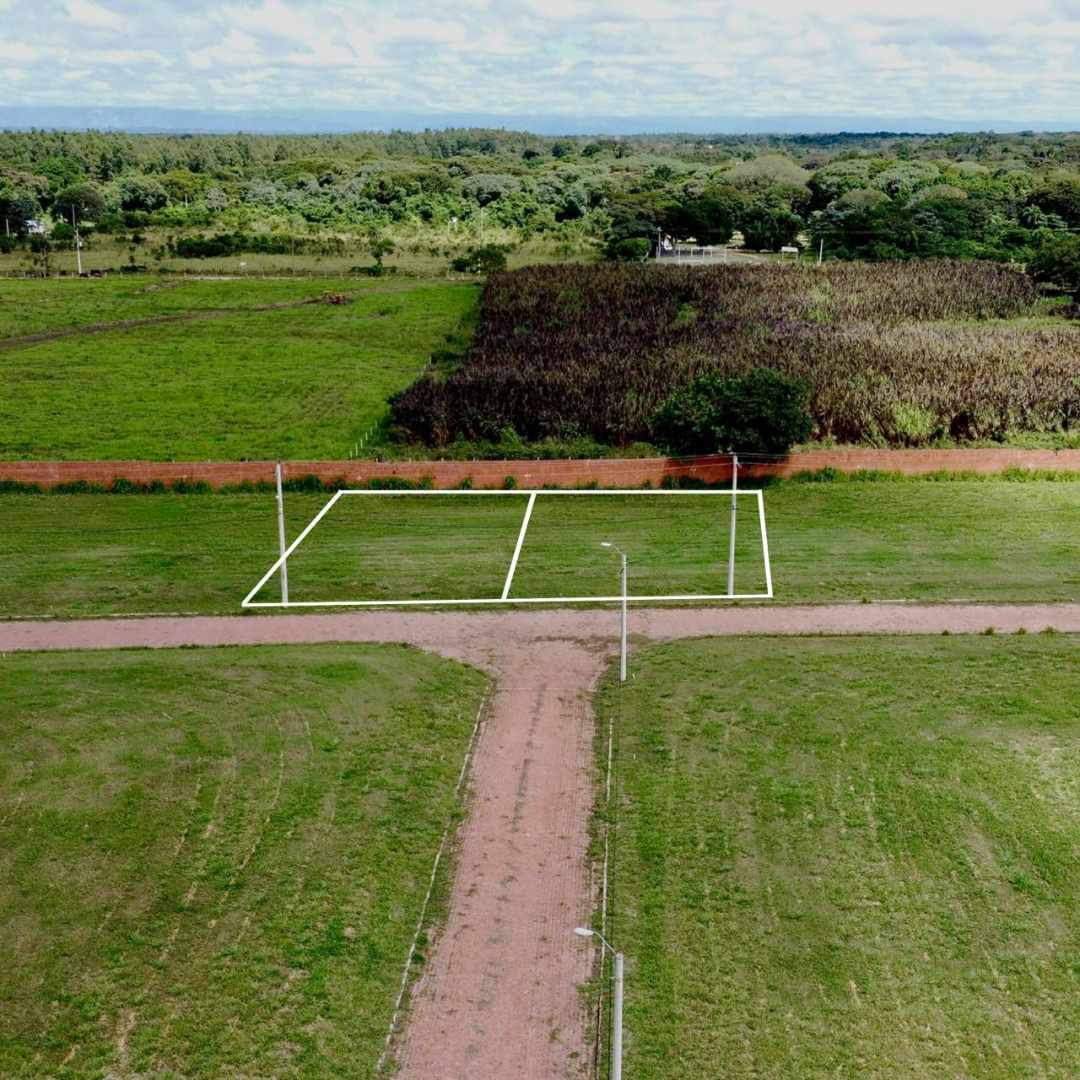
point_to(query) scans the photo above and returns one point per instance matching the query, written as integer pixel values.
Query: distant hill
(281, 121)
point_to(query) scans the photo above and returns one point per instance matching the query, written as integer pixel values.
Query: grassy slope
(93, 555)
(302, 383)
(214, 860)
(850, 858)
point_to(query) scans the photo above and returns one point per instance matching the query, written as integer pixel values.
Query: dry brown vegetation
(894, 353)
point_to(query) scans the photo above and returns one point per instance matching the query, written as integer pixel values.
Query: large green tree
(84, 202)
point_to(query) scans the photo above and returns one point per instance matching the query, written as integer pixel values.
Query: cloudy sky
(960, 59)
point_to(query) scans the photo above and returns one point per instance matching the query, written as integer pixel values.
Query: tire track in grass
(41, 337)
(210, 840)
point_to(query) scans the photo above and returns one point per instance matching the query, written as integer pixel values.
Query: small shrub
(912, 425)
(489, 259)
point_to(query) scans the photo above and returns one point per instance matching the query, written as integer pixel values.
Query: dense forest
(884, 196)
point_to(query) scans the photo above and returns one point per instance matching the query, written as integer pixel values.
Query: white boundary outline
(505, 598)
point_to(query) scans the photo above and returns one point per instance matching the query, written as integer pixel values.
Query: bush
(633, 249)
(762, 412)
(1057, 262)
(489, 259)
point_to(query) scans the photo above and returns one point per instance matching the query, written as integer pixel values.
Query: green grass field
(299, 382)
(394, 547)
(36, 305)
(849, 858)
(214, 860)
(71, 555)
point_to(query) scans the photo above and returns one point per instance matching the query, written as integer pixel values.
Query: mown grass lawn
(845, 541)
(301, 382)
(849, 857)
(212, 861)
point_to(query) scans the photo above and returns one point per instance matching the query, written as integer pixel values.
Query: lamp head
(605, 543)
(583, 931)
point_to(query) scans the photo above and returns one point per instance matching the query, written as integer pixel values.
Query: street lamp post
(624, 616)
(616, 999)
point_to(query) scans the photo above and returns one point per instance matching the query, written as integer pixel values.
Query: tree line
(881, 196)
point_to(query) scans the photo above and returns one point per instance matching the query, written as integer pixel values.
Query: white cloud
(692, 59)
(94, 16)
(16, 52)
(237, 49)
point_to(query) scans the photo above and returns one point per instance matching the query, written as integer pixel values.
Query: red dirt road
(499, 996)
(477, 636)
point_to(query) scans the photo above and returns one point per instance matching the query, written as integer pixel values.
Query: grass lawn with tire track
(214, 860)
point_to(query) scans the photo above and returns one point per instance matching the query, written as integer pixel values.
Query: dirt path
(460, 633)
(499, 996)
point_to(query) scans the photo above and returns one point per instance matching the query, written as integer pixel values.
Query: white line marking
(510, 600)
(292, 547)
(765, 544)
(520, 541)
(549, 491)
(248, 602)
(431, 882)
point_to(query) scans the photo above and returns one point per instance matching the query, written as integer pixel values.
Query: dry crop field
(894, 353)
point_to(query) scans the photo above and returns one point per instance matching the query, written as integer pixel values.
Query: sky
(961, 59)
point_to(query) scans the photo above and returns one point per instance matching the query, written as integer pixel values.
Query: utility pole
(820, 250)
(731, 534)
(623, 598)
(616, 999)
(281, 535)
(78, 242)
(622, 622)
(616, 1016)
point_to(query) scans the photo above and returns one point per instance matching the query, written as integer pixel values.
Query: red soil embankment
(606, 472)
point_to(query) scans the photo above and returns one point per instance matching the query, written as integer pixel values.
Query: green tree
(629, 249)
(761, 412)
(489, 259)
(1060, 196)
(85, 201)
(768, 227)
(709, 217)
(133, 193)
(378, 247)
(1057, 262)
(18, 208)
